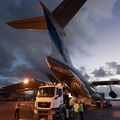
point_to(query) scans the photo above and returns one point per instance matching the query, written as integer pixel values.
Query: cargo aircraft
(59, 61)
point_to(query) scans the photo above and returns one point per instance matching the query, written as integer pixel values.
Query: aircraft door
(59, 97)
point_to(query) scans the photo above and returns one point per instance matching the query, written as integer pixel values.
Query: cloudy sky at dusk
(92, 41)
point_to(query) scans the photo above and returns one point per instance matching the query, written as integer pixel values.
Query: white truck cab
(50, 102)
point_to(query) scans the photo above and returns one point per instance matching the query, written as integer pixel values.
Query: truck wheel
(62, 115)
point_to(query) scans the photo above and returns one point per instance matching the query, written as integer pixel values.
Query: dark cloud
(111, 64)
(118, 69)
(6, 81)
(99, 72)
(6, 61)
(110, 69)
(5, 55)
(26, 71)
(114, 66)
(84, 35)
(22, 52)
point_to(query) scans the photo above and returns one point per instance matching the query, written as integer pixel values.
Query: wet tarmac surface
(112, 113)
(26, 112)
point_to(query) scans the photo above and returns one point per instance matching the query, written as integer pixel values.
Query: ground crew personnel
(81, 110)
(76, 109)
(17, 107)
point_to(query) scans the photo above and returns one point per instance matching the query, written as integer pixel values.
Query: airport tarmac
(7, 110)
(26, 112)
(112, 113)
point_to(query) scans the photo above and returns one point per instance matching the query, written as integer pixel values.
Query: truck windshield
(46, 92)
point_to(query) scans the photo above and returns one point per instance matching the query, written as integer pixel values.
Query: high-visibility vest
(81, 108)
(76, 107)
(17, 106)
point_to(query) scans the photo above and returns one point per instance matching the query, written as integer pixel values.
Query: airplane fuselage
(74, 79)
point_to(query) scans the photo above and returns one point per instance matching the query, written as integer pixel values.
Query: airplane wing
(63, 14)
(112, 93)
(111, 82)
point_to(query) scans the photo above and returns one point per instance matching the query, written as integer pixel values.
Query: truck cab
(50, 102)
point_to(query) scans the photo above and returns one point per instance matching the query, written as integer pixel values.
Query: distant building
(23, 91)
(4, 96)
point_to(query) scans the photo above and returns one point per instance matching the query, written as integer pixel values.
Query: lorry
(52, 103)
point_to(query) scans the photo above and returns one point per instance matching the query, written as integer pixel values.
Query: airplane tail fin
(63, 14)
(37, 23)
(66, 11)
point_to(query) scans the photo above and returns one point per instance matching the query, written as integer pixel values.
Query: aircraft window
(46, 92)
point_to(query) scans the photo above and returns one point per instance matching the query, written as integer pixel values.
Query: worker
(76, 109)
(66, 102)
(66, 99)
(17, 107)
(81, 110)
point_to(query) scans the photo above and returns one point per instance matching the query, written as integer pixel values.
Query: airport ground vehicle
(53, 102)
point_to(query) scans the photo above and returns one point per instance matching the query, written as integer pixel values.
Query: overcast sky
(92, 41)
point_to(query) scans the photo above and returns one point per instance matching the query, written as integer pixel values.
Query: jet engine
(112, 94)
